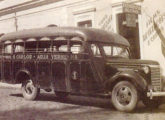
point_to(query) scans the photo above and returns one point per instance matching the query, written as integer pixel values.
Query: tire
(124, 96)
(61, 94)
(152, 103)
(29, 91)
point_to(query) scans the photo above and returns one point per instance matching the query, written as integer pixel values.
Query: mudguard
(22, 71)
(134, 77)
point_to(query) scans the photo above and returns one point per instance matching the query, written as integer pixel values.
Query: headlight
(146, 69)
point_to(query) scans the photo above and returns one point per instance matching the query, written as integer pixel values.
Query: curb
(6, 85)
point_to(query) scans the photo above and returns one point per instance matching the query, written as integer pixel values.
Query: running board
(101, 95)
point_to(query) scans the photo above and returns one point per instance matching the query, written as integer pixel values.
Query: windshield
(115, 51)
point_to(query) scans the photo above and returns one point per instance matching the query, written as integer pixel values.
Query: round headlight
(146, 69)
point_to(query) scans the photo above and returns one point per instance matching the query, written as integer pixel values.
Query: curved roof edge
(90, 34)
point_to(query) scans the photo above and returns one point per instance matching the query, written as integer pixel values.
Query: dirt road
(49, 107)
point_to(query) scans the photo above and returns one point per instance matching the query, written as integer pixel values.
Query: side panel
(91, 81)
(59, 76)
(17, 65)
(44, 73)
(75, 76)
(7, 69)
(31, 67)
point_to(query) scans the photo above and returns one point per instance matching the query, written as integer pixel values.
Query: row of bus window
(43, 46)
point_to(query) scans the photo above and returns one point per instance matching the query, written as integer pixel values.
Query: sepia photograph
(82, 59)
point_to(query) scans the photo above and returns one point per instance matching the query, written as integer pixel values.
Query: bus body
(82, 61)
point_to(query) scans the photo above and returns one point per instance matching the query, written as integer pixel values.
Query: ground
(48, 107)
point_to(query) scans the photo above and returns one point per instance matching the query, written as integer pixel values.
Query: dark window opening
(31, 47)
(44, 46)
(87, 23)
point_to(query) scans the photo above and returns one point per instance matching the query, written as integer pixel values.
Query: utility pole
(15, 21)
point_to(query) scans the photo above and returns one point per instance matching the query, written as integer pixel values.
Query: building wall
(7, 23)
(63, 13)
(98, 13)
(154, 37)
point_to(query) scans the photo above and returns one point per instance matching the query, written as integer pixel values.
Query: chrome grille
(155, 78)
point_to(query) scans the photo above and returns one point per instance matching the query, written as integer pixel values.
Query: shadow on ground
(66, 113)
(76, 100)
(81, 101)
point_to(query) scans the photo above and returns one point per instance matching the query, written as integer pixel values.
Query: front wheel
(124, 96)
(29, 91)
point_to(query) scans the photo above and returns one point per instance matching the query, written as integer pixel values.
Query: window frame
(112, 50)
(100, 50)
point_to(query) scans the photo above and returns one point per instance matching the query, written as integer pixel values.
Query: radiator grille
(155, 78)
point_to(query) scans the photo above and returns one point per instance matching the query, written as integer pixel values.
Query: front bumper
(152, 94)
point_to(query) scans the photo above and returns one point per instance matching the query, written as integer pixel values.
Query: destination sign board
(131, 8)
(40, 57)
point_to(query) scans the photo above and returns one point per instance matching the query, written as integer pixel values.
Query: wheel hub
(124, 95)
(29, 87)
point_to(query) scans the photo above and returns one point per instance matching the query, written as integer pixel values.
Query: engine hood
(132, 61)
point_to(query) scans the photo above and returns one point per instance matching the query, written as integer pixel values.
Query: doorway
(128, 27)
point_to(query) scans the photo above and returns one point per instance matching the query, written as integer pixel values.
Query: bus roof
(90, 34)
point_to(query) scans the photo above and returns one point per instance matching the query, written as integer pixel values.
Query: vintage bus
(82, 61)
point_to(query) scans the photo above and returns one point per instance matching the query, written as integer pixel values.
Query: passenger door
(97, 67)
(44, 62)
(75, 67)
(60, 65)
(81, 74)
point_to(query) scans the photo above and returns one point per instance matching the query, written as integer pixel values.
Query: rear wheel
(124, 96)
(29, 91)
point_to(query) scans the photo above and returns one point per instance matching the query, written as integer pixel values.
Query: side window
(19, 46)
(76, 49)
(108, 50)
(63, 48)
(120, 52)
(60, 44)
(95, 50)
(44, 45)
(116, 50)
(8, 48)
(76, 45)
(31, 45)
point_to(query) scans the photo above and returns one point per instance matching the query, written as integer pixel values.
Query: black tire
(124, 96)
(152, 103)
(29, 91)
(61, 94)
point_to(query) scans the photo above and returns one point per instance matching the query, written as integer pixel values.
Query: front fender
(24, 71)
(134, 77)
